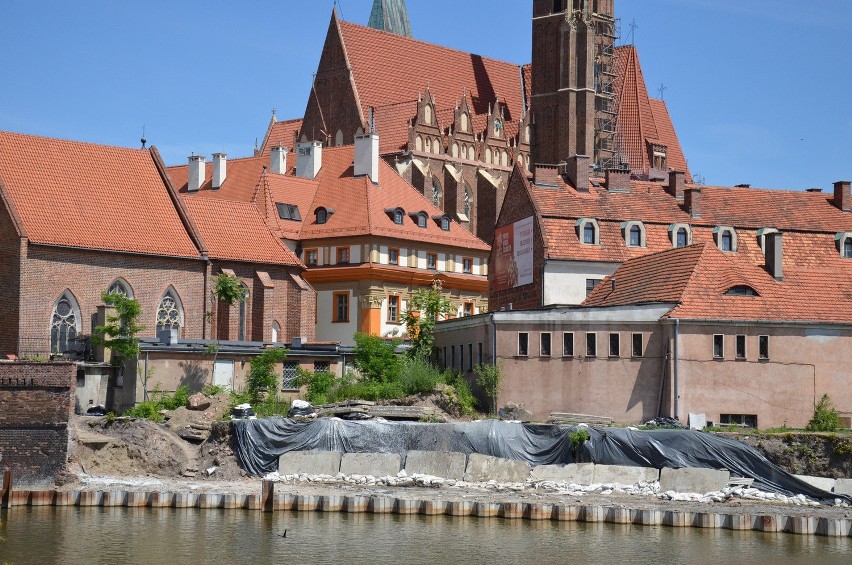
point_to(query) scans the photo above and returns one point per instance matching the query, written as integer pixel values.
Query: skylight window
(741, 290)
(288, 212)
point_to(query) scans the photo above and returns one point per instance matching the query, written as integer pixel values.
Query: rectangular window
(453, 357)
(432, 261)
(470, 357)
(568, 344)
(311, 257)
(718, 346)
(591, 344)
(393, 256)
(393, 309)
(341, 307)
(741, 346)
(739, 420)
(467, 265)
(763, 347)
(614, 345)
(523, 343)
(290, 373)
(321, 366)
(461, 357)
(637, 345)
(545, 344)
(591, 284)
(342, 255)
(467, 309)
(479, 362)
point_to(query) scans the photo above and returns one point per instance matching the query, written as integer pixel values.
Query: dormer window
(420, 217)
(443, 221)
(843, 240)
(396, 214)
(741, 290)
(588, 231)
(288, 212)
(726, 238)
(761, 237)
(634, 233)
(680, 235)
(323, 214)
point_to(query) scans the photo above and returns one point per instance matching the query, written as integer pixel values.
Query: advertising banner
(513, 249)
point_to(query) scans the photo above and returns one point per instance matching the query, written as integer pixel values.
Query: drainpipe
(145, 380)
(494, 340)
(676, 389)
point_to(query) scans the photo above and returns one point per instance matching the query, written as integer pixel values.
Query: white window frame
(674, 228)
(840, 240)
(541, 344)
(718, 234)
(581, 230)
(627, 227)
(564, 336)
(713, 346)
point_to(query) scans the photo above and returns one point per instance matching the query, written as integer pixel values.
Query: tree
(262, 375)
(423, 311)
(120, 330)
(375, 357)
(825, 417)
(490, 378)
(229, 289)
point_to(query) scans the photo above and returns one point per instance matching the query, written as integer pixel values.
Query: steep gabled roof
(240, 181)
(390, 70)
(91, 196)
(279, 133)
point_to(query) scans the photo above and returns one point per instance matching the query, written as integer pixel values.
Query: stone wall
(36, 401)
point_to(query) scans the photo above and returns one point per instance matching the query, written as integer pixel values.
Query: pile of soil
(443, 399)
(816, 454)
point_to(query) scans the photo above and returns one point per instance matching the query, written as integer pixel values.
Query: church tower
(573, 75)
(390, 15)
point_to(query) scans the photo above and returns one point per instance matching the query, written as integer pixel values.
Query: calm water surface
(144, 536)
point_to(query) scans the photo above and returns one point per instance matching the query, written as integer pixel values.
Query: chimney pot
(367, 156)
(278, 160)
(677, 184)
(220, 169)
(774, 255)
(196, 173)
(308, 159)
(842, 198)
(692, 201)
(618, 180)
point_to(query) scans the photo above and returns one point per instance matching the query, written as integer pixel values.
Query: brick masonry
(37, 400)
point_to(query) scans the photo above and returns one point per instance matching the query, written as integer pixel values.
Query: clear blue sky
(759, 90)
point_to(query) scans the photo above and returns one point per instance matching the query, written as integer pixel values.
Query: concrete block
(695, 480)
(114, 498)
(185, 500)
(447, 464)
(209, 500)
(592, 513)
(381, 504)
(482, 468)
(832, 527)
(460, 508)
(307, 502)
(770, 523)
(677, 519)
(331, 503)
(309, 462)
(433, 507)
(648, 517)
(569, 513)
(88, 498)
(577, 473)
(624, 475)
(536, 511)
(843, 486)
(283, 501)
(511, 510)
(818, 482)
(355, 504)
(375, 464)
(406, 506)
(486, 509)
(708, 520)
(41, 498)
(618, 516)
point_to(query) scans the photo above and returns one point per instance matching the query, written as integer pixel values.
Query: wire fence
(79, 348)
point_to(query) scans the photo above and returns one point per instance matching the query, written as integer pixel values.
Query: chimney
(692, 201)
(677, 184)
(220, 169)
(278, 160)
(367, 156)
(576, 171)
(774, 255)
(308, 159)
(842, 197)
(618, 180)
(196, 173)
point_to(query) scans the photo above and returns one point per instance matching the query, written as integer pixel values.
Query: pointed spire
(390, 16)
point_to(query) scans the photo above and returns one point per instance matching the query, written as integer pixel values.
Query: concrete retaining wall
(577, 473)
(310, 462)
(843, 486)
(818, 482)
(482, 468)
(375, 464)
(699, 481)
(446, 464)
(625, 475)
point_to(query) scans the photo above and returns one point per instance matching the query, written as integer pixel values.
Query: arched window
(338, 138)
(437, 193)
(436, 146)
(488, 155)
(169, 312)
(398, 215)
(322, 215)
(120, 286)
(635, 236)
(681, 238)
(276, 331)
(527, 133)
(847, 248)
(504, 158)
(727, 242)
(241, 331)
(427, 114)
(467, 199)
(726, 238)
(428, 146)
(455, 149)
(421, 220)
(589, 233)
(64, 324)
(471, 153)
(464, 121)
(418, 144)
(445, 223)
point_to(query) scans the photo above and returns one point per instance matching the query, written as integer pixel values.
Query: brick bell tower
(573, 75)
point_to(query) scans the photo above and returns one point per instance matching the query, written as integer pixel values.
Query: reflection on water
(144, 536)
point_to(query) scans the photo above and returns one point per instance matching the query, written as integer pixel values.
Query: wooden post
(6, 493)
(267, 495)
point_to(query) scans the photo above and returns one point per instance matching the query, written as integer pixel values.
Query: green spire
(390, 15)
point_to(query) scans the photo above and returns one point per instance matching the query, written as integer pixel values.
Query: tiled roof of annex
(90, 196)
(448, 73)
(280, 133)
(698, 278)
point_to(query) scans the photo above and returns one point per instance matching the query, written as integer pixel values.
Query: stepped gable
(391, 70)
(91, 196)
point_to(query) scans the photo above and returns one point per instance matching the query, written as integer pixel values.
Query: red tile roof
(697, 279)
(91, 196)
(235, 231)
(280, 133)
(448, 73)
(240, 180)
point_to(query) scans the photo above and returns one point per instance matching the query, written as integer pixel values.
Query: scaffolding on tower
(608, 139)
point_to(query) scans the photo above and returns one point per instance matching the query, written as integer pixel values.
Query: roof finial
(662, 90)
(633, 27)
(143, 140)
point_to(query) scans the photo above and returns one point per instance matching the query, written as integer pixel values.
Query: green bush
(375, 357)
(825, 417)
(262, 375)
(417, 376)
(150, 409)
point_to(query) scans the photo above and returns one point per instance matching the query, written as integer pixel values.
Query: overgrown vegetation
(424, 309)
(262, 376)
(490, 378)
(578, 438)
(120, 330)
(159, 400)
(375, 357)
(825, 418)
(272, 405)
(229, 289)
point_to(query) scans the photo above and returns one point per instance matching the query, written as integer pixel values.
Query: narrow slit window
(614, 345)
(741, 346)
(568, 344)
(523, 344)
(718, 346)
(591, 344)
(763, 347)
(637, 345)
(545, 344)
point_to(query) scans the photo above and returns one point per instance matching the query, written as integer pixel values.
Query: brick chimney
(308, 159)
(692, 201)
(196, 173)
(677, 184)
(278, 160)
(842, 198)
(576, 172)
(220, 169)
(774, 255)
(367, 156)
(618, 180)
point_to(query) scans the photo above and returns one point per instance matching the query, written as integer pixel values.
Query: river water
(71, 535)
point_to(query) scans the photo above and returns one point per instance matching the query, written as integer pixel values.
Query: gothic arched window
(241, 331)
(437, 193)
(120, 286)
(64, 324)
(467, 200)
(169, 312)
